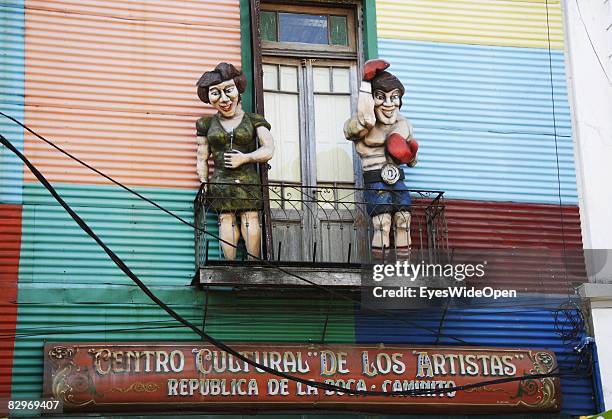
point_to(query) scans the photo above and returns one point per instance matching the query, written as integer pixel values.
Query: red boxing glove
(373, 67)
(398, 148)
(414, 147)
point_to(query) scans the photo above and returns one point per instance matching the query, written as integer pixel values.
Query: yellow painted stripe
(482, 22)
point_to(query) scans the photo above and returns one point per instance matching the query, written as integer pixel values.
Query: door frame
(251, 54)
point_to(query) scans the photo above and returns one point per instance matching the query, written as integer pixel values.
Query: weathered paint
(10, 242)
(522, 324)
(114, 83)
(155, 245)
(515, 23)
(484, 119)
(11, 96)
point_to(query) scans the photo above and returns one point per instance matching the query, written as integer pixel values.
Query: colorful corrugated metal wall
(11, 178)
(12, 54)
(112, 82)
(486, 92)
(522, 324)
(479, 91)
(10, 238)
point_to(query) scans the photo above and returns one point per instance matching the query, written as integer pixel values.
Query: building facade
(114, 83)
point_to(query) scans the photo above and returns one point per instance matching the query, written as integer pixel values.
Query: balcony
(321, 233)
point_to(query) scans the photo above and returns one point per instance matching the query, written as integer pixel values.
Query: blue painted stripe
(488, 166)
(484, 119)
(517, 327)
(12, 69)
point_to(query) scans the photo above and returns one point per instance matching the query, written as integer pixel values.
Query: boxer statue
(383, 140)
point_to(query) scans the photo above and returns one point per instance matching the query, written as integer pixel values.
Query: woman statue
(237, 141)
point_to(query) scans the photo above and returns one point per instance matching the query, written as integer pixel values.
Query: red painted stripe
(528, 247)
(10, 244)
(508, 225)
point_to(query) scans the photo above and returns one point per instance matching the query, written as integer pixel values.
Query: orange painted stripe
(10, 245)
(113, 82)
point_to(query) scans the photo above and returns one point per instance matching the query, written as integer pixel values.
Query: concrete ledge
(599, 295)
(335, 277)
(269, 276)
(597, 291)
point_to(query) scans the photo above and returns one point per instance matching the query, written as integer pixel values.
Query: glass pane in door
(282, 112)
(332, 107)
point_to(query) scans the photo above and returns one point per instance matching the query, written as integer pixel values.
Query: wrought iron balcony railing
(323, 225)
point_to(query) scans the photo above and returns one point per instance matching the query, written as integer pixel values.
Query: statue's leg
(380, 238)
(401, 223)
(228, 231)
(251, 231)
(380, 207)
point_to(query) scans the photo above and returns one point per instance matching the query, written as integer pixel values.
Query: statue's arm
(266, 146)
(202, 158)
(354, 131)
(261, 155)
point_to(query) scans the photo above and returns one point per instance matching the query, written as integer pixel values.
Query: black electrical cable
(554, 114)
(193, 226)
(222, 346)
(182, 220)
(573, 336)
(586, 30)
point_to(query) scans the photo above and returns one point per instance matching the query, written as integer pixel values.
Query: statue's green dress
(232, 190)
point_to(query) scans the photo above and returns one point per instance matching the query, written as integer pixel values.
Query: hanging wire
(228, 349)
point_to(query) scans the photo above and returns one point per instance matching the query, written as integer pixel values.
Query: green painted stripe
(155, 245)
(370, 47)
(249, 316)
(75, 313)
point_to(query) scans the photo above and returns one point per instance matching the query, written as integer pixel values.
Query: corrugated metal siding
(114, 82)
(257, 316)
(94, 312)
(528, 247)
(517, 23)
(156, 246)
(523, 326)
(480, 88)
(495, 225)
(484, 119)
(11, 96)
(122, 313)
(10, 240)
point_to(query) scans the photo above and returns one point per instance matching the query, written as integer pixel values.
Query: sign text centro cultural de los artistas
(165, 376)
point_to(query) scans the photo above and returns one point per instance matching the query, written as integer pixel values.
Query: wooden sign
(194, 376)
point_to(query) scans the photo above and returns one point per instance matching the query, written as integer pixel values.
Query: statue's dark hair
(386, 82)
(221, 73)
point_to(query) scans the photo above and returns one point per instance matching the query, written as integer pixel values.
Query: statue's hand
(365, 110)
(234, 159)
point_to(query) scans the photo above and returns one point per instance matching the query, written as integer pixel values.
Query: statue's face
(386, 106)
(224, 97)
